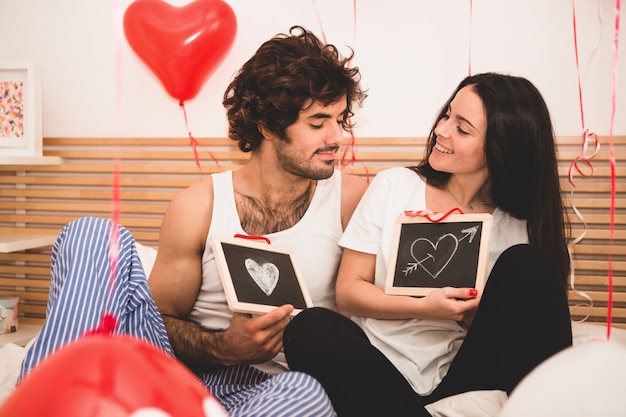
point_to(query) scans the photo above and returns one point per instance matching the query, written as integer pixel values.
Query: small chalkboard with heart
(258, 277)
(429, 254)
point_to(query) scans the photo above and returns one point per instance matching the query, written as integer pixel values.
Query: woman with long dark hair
(491, 150)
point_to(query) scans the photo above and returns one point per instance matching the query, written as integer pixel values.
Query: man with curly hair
(289, 107)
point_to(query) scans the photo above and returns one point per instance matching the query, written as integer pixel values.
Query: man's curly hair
(286, 73)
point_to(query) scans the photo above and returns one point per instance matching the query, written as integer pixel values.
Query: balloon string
(469, 37)
(582, 294)
(354, 24)
(352, 142)
(115, 184)
(114, 234)
(612, 162)
(590, 148)
(253, 238)
(108, 321)
(118, 31)
(351, 145)
(107, 326)
(193, 142)
(319, 22)
(580, 89)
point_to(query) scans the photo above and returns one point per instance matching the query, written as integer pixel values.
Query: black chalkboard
(427, 254)
(258, 277)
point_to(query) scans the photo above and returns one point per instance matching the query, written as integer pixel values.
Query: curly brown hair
(287, 73)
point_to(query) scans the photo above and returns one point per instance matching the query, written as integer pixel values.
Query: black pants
(523, 318)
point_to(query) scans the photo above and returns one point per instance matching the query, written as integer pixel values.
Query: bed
(471, 404)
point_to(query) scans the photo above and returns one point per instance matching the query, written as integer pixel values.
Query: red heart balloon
(111, 376)
(182, 46)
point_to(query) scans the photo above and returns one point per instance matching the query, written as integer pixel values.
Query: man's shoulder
(352, 182)
(197, 192)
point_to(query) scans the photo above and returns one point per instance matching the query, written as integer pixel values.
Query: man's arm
(175, 282)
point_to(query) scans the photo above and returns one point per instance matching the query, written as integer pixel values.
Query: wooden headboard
(40, 199)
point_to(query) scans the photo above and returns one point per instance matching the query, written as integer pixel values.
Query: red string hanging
(238, 235)
(351, 145)
(107, 326)
(469, 38)
(427, 214)
(590, 138)
(193, 142)
(114, 245)
(583, 161)
(609, 314)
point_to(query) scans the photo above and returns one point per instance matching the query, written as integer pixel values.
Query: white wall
(412, 53)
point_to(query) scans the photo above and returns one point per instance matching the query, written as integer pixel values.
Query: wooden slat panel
(584, 249)
(601, 234)
(125, 207)
(597, 296)
(146, 155)
(42, 283)
(41, 297)
(41, 199)
(600, 312)
(25, 257)
(32, 310)
(222, 141)
(63, 219)
(99, 181)
(188, 168)
(598, 281)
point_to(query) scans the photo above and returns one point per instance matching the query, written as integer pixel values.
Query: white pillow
(490, 403)
(11, 357)
(147, 255)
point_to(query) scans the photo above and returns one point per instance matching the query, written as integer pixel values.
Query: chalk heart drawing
(264, 275)
(434, 257)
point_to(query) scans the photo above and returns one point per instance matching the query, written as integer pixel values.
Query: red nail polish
(473, 292)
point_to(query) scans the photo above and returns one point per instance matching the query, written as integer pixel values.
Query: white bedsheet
(470, 404)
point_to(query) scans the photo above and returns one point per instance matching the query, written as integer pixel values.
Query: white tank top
(313, 241)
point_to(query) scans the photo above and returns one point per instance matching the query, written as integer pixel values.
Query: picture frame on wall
(426, 255)
(20, 109)
(258, 277)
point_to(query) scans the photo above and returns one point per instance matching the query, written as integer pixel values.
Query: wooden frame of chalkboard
(258, 277)
(427, 255)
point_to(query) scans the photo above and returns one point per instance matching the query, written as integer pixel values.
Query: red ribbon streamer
(609, 314)
(114, 244)
(115, 182)
(587, 135)
(193, 142)
(427, 213)
(350, 146)
(107, 326)
(253, 238)
(469, 37)
(585, 158)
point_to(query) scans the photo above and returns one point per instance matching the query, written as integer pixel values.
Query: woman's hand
(452, 304)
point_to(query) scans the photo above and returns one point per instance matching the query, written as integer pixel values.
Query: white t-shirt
(313, 242)
(422, 350)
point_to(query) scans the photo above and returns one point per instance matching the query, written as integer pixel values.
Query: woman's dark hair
(521, 158)
(281, 78)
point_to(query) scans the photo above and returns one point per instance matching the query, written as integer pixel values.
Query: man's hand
(251, 340)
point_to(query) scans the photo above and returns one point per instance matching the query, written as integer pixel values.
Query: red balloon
(111, 376)
(182, 46)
